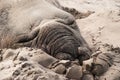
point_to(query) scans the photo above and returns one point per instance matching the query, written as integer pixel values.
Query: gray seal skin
(41, 24)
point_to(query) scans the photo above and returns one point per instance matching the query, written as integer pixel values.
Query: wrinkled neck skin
(40, 24)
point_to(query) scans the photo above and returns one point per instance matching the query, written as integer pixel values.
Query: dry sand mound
(23, 64)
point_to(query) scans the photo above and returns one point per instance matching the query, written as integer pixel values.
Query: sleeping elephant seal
(41, 24)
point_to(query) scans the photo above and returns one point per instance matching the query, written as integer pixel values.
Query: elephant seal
(41, 24)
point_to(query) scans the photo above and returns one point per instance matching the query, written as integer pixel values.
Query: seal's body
(40, 24)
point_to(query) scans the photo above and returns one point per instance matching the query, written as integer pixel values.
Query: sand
(101, 30)
(103, 24)
(24, 64)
